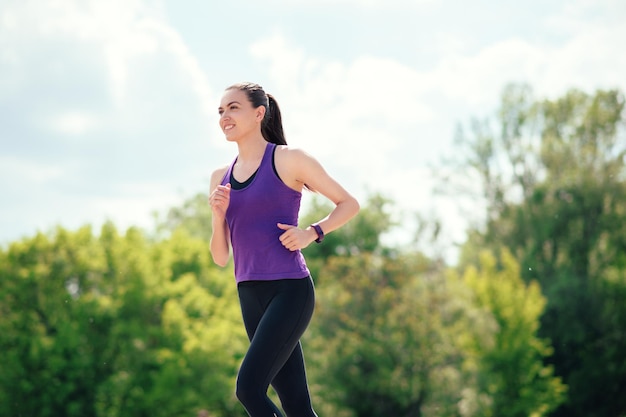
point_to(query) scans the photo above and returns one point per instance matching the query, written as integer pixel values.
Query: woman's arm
(297, 168)
(219, 200)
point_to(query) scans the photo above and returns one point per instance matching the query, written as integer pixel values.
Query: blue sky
(108, 109)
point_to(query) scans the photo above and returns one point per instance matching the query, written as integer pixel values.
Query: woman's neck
(252, 150)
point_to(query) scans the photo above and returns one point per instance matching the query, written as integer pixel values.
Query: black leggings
(275, 314)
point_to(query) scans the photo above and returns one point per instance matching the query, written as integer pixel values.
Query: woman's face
(238, 118)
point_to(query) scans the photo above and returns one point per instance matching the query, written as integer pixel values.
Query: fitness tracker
(319, 231)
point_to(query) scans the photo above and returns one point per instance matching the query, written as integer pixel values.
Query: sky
(108, 109)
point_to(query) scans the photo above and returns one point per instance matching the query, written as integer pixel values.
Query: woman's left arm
(302, 168)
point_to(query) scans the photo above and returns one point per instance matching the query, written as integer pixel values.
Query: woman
(255, 203)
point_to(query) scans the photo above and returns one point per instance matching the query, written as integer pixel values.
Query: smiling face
(238, 118)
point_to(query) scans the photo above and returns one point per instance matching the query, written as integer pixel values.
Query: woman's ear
(260, 113)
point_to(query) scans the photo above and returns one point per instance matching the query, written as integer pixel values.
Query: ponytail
(272, 125)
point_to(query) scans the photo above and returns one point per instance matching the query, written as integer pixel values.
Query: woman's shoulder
(296, 166)
(291, 153)
(218, 174)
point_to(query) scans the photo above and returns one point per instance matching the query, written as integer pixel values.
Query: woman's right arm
(219, 200)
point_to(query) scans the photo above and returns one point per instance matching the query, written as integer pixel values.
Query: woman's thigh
(276, 314)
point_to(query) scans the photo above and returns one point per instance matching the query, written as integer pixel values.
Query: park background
(485, 275)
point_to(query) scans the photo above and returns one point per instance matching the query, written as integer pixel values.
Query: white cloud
(121, 36)
(373, 4)
(96, 96)
(133, 206)
(367, 117)
(73, 123)
(476, 79)
(595, 58)
(356, 113)
(28, 173)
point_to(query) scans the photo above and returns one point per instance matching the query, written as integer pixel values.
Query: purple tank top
(252, 216)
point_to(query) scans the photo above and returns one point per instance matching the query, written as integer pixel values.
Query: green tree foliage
(554, 182)
(510, 362)
(115, 325)
(384, 339)
(361, 235)
(399, 336)
(51, 363)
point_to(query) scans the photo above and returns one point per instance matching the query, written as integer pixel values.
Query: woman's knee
(298, 407)
(247, 392)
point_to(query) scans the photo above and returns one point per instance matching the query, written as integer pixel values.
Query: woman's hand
(219, 201)
(294, 238)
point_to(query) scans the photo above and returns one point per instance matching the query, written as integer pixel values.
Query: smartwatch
(319, 231)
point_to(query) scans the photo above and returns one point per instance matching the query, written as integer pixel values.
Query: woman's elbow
(221, 263)
(356, 207)
(220, 255)
(220, 260)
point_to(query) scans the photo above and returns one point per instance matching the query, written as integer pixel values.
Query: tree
(114, 325)
(383, 339)
(54, 351)
(361, 235)
(554, 183)
(510, 362)
(399, 336)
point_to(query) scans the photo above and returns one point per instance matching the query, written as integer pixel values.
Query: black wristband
(319, 231)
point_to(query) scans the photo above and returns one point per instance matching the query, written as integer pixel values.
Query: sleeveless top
(252, 215)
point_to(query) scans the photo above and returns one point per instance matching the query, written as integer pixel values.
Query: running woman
(255, 202)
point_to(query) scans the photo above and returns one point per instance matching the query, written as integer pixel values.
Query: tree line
(529, 322)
